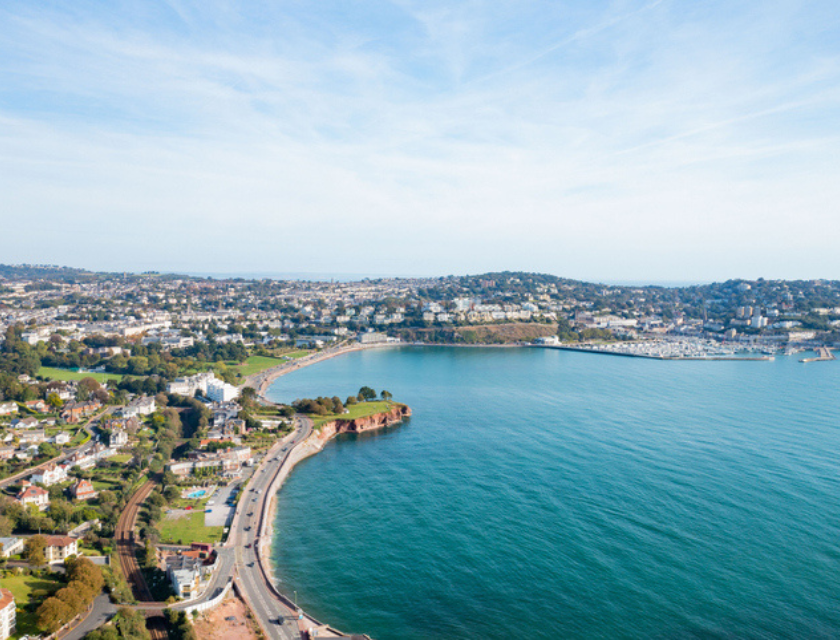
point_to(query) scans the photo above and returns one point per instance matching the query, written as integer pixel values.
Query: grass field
(66, 374)
(188, 528)
(255, 364)
(24, 588)
(296, 354)
(360, 410)
(121, 458)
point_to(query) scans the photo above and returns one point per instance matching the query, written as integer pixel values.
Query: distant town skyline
(644, 141)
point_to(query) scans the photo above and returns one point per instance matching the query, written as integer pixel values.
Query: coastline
(313, 444)
(262, 381)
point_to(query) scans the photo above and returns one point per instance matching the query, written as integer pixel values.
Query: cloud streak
(405, 138)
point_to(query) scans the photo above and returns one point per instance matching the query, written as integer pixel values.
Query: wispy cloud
(583, 138)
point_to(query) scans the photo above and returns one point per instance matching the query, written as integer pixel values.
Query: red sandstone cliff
(376, 421)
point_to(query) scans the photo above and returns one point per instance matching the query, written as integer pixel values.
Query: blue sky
(627, 140)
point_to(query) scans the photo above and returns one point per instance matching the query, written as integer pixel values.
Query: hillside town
(108, 380)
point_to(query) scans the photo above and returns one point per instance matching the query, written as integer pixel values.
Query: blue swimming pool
(199, 493)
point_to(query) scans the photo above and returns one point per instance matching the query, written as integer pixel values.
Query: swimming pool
(199, 493)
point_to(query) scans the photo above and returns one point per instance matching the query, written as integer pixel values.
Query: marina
(678, 349)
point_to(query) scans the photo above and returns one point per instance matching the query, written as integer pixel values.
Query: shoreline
(262, 380)
(307, 448)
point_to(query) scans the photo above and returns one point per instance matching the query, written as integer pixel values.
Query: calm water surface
(548, 494)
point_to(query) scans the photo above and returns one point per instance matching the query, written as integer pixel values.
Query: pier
(823, 354)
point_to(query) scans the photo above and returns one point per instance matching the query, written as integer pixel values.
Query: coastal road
(245, 536)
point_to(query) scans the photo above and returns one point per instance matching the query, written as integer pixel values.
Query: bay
(548, 494)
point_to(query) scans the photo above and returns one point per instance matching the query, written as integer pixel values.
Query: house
(75, 411)
(117, 438)
(8, 408)
(139, 407)
(189, 571)
(50, 475)
(60, 548)
(34, 495)
(38, 405)
(83, 490)
(8, 621)
(7, 453)
(33, 437)
(61, 389)
(131, 425)
(61, 438)
(25, 423)
(11, 546)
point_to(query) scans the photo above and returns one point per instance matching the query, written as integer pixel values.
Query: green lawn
(107, 485)
(255, 364)
(25, 588)
(296, 354)
(360, 410)
(121, 458)
(189, 528)
(66, 374)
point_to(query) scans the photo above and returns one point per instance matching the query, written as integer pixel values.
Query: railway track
(126, 545)
(157, 626)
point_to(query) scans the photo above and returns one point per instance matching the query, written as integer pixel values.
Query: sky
(644, 140)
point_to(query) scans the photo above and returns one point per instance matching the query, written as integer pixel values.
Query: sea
(539, 493)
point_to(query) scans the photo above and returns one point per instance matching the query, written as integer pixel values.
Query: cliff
(395, 415)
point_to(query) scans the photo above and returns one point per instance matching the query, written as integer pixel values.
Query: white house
(118, 438)
(60, 548)
(140, 407)
(8, 408)
(8, 622)
(36, 496)
(11, 546)
(50, 475)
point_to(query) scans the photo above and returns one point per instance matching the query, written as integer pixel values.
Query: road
(253, 508)
(103, 610)
(239, 555)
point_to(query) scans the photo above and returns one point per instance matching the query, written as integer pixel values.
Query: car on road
(248, 546)
(247, 528)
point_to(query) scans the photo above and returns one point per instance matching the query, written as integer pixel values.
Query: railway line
(126, 545)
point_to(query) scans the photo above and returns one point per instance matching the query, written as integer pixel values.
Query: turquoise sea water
(549, 494)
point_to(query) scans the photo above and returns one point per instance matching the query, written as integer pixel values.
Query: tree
(54, 401)
(53, 614)
(366, 393)
(386, 395)
(33, 550)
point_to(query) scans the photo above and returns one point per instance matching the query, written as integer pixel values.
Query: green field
(121, 458)
(360, 410)
(24, 588)
(66, 374)
(296, 354)
(188, 528)
(255, 364)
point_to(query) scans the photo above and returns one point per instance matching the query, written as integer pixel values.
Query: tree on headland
(366, 393)
(386, 395)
